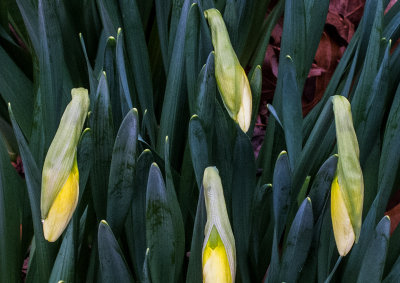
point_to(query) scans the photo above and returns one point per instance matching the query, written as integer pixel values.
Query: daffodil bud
(347, 191)
(60, 176)
(219, 252)
(231, 79)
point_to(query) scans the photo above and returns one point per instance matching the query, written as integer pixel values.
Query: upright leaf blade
(160, 236)
(298, 243)
(51, 62)
(44, 251)
(135, 225)
(374, 259)
(138, 57)
(174, 106)
(113, 265)
(122, 172)
(103, 140)
(16, 88)
(10, 209)
(177, 222)
(243, 185)
(195, 273)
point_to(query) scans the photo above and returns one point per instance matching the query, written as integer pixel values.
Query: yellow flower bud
(60, 176)
(63, 207)
(347, 194)
(215, 261)
(342, 228)
(232, 81)
(219, 252)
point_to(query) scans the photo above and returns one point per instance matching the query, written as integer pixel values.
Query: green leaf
(203, 103)
(266, 30)
(85, 160)
(298, 243)
(103, 140)
(245, 10)
(174, 107)
(232, 22)
(327, 251)
(44, 251)
(321, 185)
(256, 86)
(125, 77)
(111, 74)
(177, 222)
(135, 225)
(187, 193)
(122, 172)
(223, 142)
(393, 250)
(313, 148)
(394, 274)
(368, 129)
(163, 9)
(138, 57)
(362, 91)
(145, 10)
(282, 186)
(192, 63)
(110, 17)
(52, 66)
(198, 148)
(292, 116)
(36, 139)
(30, 16)
(10, 211)
(16, 88)
(195, 269)
(243, 185)
(261, 223)
(92, 78)
(370, 167)
(113, 265)
(373, 262)
(281, 196)
(64, 265)
(302, 28)
(160, 234)
(272, 146)
(174, 23)
(74, 61)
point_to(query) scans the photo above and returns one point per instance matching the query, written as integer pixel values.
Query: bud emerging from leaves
(219, 252)
(60, 177)
(231, 79)
(348, 186)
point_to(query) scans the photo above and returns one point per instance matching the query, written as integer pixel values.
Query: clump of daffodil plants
(133, 120)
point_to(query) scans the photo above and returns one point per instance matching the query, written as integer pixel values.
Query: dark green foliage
(142, 170)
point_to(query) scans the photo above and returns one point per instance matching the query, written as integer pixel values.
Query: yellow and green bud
(347, 191)
(231, 79)
(60, 176)
(219, 252)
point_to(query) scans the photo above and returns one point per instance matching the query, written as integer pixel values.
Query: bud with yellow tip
(60, 176)
(232, 81)
(347, 193)
(219, 252)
